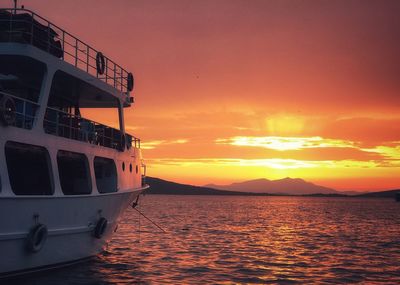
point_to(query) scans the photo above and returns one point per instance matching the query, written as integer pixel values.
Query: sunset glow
(228, 91)
(286, 143)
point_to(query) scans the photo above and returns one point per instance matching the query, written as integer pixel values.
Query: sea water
(246, 240)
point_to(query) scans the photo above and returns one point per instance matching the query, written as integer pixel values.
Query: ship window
(21, 79)
(21, 76)
(29, 169)
(74, 175)
(106, 175)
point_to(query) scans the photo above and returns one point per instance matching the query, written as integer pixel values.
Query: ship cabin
(62, 129)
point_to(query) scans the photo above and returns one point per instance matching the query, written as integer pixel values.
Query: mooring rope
(154, 223)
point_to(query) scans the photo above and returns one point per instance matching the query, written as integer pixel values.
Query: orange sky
(234, 90)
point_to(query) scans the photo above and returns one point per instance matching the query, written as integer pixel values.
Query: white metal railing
(143, 165)
(22, 25)
(75, 127)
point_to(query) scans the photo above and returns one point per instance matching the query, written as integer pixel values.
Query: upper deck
(25, 26)
(49, 78)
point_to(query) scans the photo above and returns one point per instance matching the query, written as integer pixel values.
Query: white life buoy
(7, 111)
(100, 63)
(130, 83)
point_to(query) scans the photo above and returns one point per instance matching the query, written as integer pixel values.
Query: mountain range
(285, 186)
(160, 186)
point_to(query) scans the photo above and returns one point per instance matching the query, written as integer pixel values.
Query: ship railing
(67, 125)
(25, 111)
(143, 173)
(25, 26)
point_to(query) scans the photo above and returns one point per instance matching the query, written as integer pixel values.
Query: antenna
(15, 6)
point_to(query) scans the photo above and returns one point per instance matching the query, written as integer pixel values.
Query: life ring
(100, 63)
(100, 228)
(36, 238)
(130, 82)
(7, 111)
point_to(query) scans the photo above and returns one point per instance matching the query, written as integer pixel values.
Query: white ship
(65, 179)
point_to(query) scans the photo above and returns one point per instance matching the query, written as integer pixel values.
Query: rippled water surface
(251, 240)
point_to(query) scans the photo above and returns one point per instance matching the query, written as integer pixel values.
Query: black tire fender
(36, 238)
(100, 228)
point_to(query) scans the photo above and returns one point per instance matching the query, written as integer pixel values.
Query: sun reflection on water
(258, 240)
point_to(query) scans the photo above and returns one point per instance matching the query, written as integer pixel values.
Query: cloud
(370, 128)
(287, 143)
(275, 163)
(388, 152)
(156, 143)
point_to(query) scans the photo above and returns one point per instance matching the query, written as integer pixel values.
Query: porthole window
(123, 166)
(130, 167)
(73, 169)
(137, 169)
(106, 174)
(29, 169)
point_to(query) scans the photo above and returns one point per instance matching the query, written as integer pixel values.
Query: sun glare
(285, 125)
(286, 143)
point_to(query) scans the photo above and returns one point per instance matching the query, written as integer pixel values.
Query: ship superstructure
(65, 178)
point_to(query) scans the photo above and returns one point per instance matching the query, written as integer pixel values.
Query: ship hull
(71, 222)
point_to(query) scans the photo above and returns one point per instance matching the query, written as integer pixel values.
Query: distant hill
(288, 186)
(159, 186)
(381, 194)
